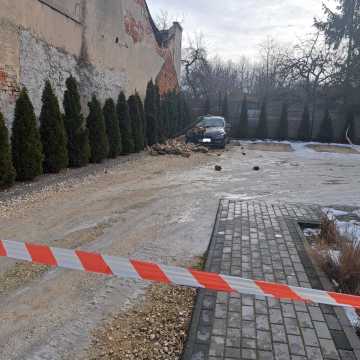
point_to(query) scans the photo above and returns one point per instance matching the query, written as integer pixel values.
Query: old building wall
(44, 23)
(9, 69)
(108, 46)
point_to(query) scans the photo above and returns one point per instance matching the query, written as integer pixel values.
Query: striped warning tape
(134, 269)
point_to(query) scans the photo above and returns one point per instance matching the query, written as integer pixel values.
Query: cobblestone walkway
(264, 242)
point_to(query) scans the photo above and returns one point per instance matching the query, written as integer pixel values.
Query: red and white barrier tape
(134, 269)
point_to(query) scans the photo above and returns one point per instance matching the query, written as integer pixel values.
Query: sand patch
(333, 149)
(275, 147)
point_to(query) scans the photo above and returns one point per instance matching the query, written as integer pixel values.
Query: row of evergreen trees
(305, 132)
(67, 140)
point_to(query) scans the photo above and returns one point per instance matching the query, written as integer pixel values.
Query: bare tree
(272, 55)
(312, 64)
(196, 65)
(164, 20)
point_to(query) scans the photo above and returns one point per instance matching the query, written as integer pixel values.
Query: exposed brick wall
(134, 28)
(9, 91)
(8, 80)
(167, 79)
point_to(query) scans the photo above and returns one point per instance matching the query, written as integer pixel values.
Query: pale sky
(233, 28)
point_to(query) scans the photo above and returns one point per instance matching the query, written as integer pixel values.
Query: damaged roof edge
(160, 36)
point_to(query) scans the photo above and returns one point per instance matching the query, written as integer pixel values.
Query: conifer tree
(136, 126)
(142, 119)
(283, 131)
(7, 171)
(305, 126)
(112, 129)
(242, 128)
(220, 102)
(225, 108)
(25, 140)
(326, 134)
(262, 127)
(158, 109)
(53, 134)
(77, 133)
(186, 116)
(151, 115)
(207, 106)
(164, 119)
(99, 143)
(123, 114)
(180, 114)
(173, 113)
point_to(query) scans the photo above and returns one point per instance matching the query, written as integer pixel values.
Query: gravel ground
(156, 329)
(23, 195)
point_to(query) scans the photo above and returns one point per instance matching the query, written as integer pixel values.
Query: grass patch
(200, 263)
(339, 258)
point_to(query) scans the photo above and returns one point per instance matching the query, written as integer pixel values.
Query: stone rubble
(176, 147)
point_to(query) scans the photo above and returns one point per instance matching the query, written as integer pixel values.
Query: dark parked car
(209, 131)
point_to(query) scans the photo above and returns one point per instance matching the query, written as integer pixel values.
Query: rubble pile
(176, 147)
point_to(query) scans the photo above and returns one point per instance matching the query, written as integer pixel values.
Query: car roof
(211, 117)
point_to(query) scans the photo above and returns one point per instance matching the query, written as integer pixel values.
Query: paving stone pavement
(263, 241)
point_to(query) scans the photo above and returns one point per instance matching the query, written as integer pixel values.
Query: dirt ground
(333, 149)
(153, 208)
(276, 147)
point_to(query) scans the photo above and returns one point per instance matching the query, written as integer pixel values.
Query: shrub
(136, 123)
(151, 115)
(326, 134)
(25, 140)
(328, 232)
(262, 127)
(339, 257)
(283, 131)
(52, 131)
(7, 171)
(123, 114)
(112, 128)
(99, 144)
(348, 267)
(341, 264)
(77, 133)
(305, 125)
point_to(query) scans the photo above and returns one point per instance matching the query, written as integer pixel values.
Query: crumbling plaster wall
(108, 46)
